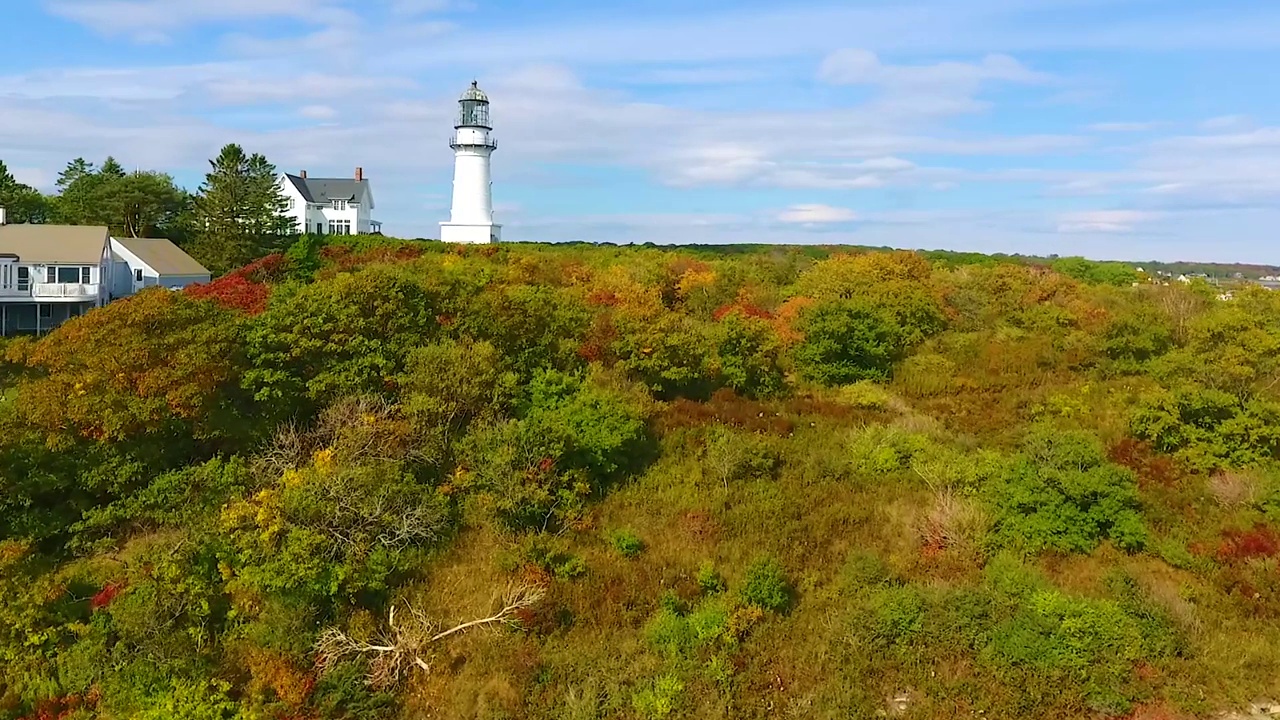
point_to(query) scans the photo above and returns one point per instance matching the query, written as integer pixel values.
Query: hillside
(383, 479)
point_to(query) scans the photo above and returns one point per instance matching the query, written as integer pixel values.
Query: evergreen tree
(22, 203)
(238, 212)
(111, 168)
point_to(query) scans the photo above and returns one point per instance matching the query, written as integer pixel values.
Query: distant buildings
(330, 206)
(51, 273)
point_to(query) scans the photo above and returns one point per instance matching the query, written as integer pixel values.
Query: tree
(138, 204)
(239, 211)
(22, 203)
(849, 340)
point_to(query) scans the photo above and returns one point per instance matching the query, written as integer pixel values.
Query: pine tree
(238, 212)
(111, 168)
(22, 203)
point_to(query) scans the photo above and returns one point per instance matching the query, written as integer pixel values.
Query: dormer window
(339, 204)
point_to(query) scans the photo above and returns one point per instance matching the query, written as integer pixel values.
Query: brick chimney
(303, 174)
(359, 174)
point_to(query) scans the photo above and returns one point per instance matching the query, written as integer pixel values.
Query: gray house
(49, 273)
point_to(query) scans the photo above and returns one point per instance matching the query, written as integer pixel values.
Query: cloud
(1122, 127)
(1102, 221)
(154, 20)
(317, 112)
(863, 67)
(816, 215)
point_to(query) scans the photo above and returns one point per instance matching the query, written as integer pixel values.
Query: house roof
(163, 256)
(324, 190)
(71, 244)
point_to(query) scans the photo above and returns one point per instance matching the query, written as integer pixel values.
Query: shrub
(847, 341)
(709, 579)
(1063, 495)
(660, 699)
(626, 543)
(731, 456)
(865, 394)
(765, 585)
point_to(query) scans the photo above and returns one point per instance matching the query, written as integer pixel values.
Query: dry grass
(954, 522)
(1235, 488)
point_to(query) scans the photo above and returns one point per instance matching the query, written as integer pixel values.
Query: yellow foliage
(323, 459)
(694, 280)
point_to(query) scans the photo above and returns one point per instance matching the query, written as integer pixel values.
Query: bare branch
(404, 644)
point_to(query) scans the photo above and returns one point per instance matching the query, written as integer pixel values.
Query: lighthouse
(471, 218)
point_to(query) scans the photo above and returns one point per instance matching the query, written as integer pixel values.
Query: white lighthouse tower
(471, 219)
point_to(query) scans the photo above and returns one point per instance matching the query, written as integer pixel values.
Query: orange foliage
(132, 367)
(1150, 467)
(273, 671)
(787, 317)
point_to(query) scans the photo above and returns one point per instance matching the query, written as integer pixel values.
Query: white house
(138, 263)
(330, 206)
(50, 273)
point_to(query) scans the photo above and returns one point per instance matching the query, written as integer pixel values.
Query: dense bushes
(691, 459)
(1062, 494)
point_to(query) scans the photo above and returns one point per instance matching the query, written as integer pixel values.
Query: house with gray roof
(50, 273)
(330, 206)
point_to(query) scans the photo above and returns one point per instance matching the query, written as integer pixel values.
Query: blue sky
(1135, 129)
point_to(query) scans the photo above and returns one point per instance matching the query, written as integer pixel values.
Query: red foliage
(1261, 541)
(745, 309)
(1149, 466)
(341, 258)
(603, 297)
(272, 268)
(234, 292)
(107, 594)
(245, 289)
(63, 707)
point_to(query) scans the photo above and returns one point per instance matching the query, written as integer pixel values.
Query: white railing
(66, 290)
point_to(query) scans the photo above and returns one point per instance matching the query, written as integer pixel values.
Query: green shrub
(765, 585)
(864, 394)
(849, 340)
(897, 615)
(709, 579)
(1210, 429)
(733, 456)
(626, 543)
(659, 700)
(1063, 495)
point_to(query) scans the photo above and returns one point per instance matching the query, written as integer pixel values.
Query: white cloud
(1102, 221)
(317, 112)
(863, 67)
(816, 214)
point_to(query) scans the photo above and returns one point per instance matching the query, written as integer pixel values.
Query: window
(289, 203)
(84, 276)
(339, 227)
(339, 204)
(24, 278)
(137, 275)
(46, 311)
(51, 274)
(69, 275)
(319, 228)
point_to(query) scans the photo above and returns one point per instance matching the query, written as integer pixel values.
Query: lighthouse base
(470, 234)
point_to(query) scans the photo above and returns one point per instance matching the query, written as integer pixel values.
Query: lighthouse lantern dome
(473, 108)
